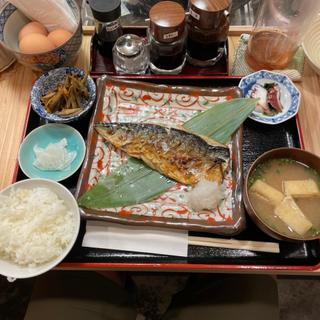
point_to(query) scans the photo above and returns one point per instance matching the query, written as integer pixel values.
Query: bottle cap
(167, 21)
(105, 10)
(129, 45)
(208, 14)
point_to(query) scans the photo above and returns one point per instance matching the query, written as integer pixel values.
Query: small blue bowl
(48, 82)
(289, 95)
(42, 136)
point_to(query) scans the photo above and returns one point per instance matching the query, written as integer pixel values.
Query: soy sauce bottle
(167, 35)
(208, 27)
(107, 15)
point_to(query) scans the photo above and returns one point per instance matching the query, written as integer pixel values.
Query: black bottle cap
(105, 10)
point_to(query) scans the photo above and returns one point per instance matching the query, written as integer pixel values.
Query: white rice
(35, 226)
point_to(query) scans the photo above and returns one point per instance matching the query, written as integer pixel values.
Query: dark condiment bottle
(107, 15)
(208, 26)
(167, 35)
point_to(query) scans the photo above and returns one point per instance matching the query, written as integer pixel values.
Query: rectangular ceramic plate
(131, 101)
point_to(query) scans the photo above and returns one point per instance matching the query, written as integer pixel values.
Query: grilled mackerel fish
(174, 152)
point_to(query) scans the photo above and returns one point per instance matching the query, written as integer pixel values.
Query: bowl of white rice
(39, 224)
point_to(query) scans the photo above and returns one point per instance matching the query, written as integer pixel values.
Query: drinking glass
(278, 31)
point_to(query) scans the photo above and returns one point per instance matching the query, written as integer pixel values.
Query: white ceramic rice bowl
(15, 271)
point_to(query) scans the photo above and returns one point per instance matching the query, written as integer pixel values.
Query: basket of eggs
(34, 45)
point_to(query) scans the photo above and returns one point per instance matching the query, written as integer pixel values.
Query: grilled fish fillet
(174, 152)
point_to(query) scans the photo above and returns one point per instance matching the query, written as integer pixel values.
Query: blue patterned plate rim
(248, 81)
(77, 162)
(43, 84)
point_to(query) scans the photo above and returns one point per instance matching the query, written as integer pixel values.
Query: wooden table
(16, 83)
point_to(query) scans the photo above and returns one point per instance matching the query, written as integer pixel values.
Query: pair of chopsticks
(271, 247)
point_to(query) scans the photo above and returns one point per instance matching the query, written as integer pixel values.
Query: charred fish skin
(176, 153)
(157, 132)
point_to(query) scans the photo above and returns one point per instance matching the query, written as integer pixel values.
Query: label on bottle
(112, 26)
(170, 35)
(194, 14)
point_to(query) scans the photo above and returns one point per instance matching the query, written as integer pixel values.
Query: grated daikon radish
(53, 157)
(205, 195)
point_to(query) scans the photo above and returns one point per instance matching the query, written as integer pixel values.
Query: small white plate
(289, 95)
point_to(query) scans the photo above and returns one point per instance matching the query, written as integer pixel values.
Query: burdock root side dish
(66, 99)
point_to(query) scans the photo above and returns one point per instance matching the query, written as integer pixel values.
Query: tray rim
(221, 228)
(185, 267)
(180, 267)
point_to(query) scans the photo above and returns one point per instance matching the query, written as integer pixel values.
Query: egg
(35, 43)
(32, 27)
(59, 36)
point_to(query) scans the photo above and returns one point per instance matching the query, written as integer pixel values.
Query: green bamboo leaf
(222, 120)
(134, 182)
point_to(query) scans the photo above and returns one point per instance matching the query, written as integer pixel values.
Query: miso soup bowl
(304, 157)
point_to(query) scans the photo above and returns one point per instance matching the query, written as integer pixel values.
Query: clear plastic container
(278, 32)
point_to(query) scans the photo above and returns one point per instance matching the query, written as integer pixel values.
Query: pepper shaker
(167, 35)
(107, 22)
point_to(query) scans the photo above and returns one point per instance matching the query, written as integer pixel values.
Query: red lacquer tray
(257, 138)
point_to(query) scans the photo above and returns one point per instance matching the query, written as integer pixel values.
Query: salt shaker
(130, 55)
(167, 35)
(107, 22)
(208, 26)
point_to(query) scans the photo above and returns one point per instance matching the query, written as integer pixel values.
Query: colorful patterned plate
(289, 95)
(129, 101)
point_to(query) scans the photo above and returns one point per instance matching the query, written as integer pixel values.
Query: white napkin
(107, 235)
(52, 14)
